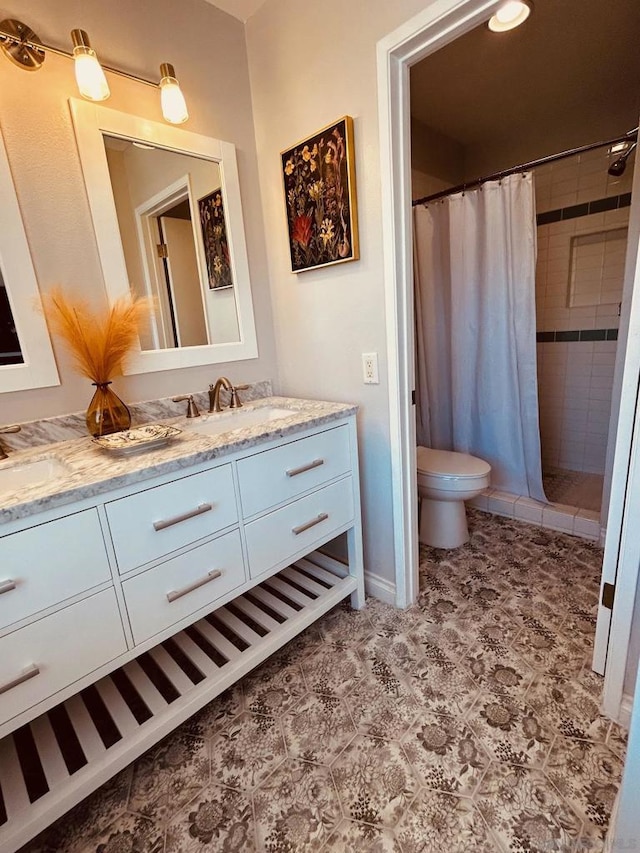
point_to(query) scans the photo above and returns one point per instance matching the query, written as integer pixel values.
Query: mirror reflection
(171, 217)
(10, 350)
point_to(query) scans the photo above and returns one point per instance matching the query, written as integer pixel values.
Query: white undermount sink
(16, 476)
(216, 424)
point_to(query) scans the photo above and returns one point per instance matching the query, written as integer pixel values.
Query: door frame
(433, 28)
(622, 532)
(146, 214)
(437, 25)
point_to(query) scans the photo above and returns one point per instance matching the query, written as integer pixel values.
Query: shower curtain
(476, 331)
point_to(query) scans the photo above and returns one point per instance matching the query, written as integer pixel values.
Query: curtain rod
(632, 134)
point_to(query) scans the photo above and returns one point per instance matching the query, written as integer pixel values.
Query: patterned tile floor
(467, 723)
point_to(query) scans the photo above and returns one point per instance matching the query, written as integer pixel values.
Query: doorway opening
(171, 266)
(420, 38)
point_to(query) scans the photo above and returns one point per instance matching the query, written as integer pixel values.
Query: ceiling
(240, 9)
(569, 76)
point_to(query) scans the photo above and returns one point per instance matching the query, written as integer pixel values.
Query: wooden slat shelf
(312, 588)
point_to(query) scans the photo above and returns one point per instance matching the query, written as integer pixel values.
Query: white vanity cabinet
(171, 592)
(48, 654)
(154, 522)
(49, 563)
(278, 475)
(49, 574)
(176, 586)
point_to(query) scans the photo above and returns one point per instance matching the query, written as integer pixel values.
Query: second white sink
(216, 424)
(17, 476)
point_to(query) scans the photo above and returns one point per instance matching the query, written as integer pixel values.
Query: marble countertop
(93, 471)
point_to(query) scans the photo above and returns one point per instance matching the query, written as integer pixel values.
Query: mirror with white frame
(167, 214)
(26, 356)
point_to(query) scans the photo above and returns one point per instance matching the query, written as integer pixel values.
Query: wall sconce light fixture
(23, 47)
(174, 107)
(90, 78)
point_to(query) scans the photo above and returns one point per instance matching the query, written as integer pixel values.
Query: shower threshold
(584, 523)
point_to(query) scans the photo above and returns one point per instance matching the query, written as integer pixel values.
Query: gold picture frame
(320, 198)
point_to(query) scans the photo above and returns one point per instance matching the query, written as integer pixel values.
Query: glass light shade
(174, 106)
(509, 15)
(89, 74)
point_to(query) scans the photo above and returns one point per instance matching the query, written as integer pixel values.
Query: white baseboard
(624, 714)
(380, 588)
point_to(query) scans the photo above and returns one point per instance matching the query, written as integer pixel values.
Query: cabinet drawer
(274, 476)
(50, 562)
(168, 593)
(61, 648)
(280, 535)
(150, 524)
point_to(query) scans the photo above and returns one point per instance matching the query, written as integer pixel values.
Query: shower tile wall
(575, 358)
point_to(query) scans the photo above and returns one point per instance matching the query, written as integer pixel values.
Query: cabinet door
(49, 563)
(44, 657)
(172, 591)
(150, 524)
(300, 526)
(274, 476)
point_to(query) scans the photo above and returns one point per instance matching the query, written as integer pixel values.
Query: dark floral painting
(214, 237)
(320, 192)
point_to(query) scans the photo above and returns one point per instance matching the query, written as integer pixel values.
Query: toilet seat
(450, 465)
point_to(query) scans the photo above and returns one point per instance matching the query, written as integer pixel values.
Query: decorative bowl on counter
(138, 439)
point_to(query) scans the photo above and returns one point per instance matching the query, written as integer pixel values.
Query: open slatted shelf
(52, 763)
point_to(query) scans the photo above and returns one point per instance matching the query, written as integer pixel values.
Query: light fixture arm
(21, 44)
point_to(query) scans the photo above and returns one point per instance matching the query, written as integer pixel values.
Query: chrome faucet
(214, 394)
(3, 431)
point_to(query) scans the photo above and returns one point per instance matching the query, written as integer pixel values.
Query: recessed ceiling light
(510, 15)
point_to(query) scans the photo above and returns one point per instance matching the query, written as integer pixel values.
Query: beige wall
(208, 50)
(437, 161)
(308, 67)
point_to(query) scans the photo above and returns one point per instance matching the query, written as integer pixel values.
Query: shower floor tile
(574, 488)
(430, 729)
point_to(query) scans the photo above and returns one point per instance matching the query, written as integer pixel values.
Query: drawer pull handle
(169, 522)
(293, 472)
(7, 586)
(302, 527)
(30, 672)
(178, 593)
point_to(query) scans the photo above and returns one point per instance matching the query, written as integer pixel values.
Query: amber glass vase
(106, 413)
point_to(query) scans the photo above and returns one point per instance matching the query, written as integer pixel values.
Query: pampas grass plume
(100, 342)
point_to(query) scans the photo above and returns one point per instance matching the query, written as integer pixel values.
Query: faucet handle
(192, 409)
(236, 402)
(3, 431)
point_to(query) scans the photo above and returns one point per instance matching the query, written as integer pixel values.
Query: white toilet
(446, 480)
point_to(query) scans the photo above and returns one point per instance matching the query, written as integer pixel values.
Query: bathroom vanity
(135, 590)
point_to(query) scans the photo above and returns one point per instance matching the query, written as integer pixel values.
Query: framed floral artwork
(320, 194)
(214, 239)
